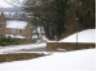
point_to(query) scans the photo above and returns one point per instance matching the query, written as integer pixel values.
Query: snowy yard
(85, 36)
(53, 17)
(82, 60)
(14, 49)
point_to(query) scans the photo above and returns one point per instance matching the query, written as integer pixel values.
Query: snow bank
(86, 36)
(84, 60)
(15, 36)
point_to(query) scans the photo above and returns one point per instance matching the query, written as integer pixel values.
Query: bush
(10, 41)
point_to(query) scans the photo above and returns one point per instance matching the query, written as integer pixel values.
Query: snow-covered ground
(82, 60)
(85, 36)
(14, 49)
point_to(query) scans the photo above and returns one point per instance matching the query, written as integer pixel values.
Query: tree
(59, 17)
(51, 14)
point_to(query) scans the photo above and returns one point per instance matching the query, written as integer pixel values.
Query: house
(15, 28)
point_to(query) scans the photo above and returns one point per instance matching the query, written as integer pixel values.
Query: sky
(6, 3)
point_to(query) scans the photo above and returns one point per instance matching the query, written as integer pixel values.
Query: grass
(69, 46)
(19, 56)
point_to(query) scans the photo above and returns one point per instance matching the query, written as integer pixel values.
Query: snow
(83, 60)
(86, 36)
(15, 36)
(14, 49)
(47, 40)
(15, 24)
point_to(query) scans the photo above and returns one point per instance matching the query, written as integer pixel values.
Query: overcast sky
(7, 3)
(4, 4)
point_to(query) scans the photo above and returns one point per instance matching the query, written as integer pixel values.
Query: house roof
(14, 24)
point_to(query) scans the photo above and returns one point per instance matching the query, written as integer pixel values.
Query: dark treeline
(62, 17)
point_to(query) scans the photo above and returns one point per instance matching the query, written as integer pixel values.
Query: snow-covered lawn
(14, 49)
(82, 60)
(85, 36)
